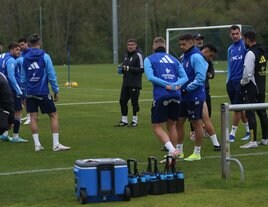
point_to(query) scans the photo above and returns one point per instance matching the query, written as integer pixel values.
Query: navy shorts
(165, 109)
(45, 103)
(192, 109)
(234, 91)
(17, 102)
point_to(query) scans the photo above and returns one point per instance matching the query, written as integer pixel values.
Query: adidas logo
(166, 59)
(34, 66)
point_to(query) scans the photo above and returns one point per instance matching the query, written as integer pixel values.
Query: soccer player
(11, 70)
(38, 71)
(193, 94)
(6, 105)
(167, 76)
(132, 69)
(235, 58)
(253, 85)
(24, 49)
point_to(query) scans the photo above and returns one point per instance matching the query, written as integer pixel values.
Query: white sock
(36, 139)
(233, 131)
(15, 135)
(214, 140)
(55, 139)
(180, 147)
(246, 126)
(197, 149)
(135, 119)
(170, 147)
(124, 119)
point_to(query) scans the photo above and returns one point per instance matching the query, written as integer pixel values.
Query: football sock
(36, 139)
(233, 131)
(180, 147)
(15, 135)
(214, 140)
(124, 119)
(55, 139)
(170, 147)
(197, 149)
(246, 126)
(135, 119)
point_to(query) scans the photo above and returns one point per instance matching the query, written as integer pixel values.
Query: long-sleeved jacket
(38, 70)
(132, 77)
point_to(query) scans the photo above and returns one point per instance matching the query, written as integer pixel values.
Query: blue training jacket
(38, 70)
(163, 69)
(196, 69)
(235, 57)
(9, 67)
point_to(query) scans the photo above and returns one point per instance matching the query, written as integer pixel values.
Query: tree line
(84, 27)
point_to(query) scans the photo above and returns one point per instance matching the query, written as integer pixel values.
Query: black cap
(198, 36)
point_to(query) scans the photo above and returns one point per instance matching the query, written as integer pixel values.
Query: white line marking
(143, 163)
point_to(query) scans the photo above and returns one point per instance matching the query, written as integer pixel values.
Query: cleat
(181, 156)
(231, 138)
(192, 136)
(121, 124)
(164, 149)
(246, 137)
(263, 142)
(193, 157)
(28, 121)
(133, 124)
(6, 138)
(60, 147)
(249, 145)
(19, 140)
(38, 148)
(217, 148)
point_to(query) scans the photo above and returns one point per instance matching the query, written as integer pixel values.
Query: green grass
(87, 126)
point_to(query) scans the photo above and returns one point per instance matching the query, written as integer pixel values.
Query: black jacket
(132, 74)
(6, 98)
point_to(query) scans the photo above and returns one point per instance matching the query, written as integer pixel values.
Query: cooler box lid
(100, 161)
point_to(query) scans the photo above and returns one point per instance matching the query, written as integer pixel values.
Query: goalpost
(217, 35)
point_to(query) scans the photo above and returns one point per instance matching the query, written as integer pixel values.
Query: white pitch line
(109, 102)
(143, 163)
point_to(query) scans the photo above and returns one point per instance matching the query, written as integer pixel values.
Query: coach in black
(6, 105)
(253, 87)
(132, 69)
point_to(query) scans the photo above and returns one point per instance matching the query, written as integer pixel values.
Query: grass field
(87, 115)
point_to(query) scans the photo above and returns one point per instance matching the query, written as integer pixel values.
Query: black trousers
(263, 116)
(249, 95)
(133, 94)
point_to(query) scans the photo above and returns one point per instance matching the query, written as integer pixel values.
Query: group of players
(181, 89)
(25, 73)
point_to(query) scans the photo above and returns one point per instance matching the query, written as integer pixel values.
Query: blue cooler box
(103, 179)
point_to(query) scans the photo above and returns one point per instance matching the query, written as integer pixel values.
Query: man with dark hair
(24, 49)
(193, 94)
(132, 69)
(235, 57)
(38, 71)
(253, 84)
(6, 105)
(11, 70)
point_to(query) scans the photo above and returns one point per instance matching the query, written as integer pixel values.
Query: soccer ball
(67, 84)
(74, 84)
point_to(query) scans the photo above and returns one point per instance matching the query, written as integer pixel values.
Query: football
(74, 84)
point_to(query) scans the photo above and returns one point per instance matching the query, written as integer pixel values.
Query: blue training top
(163, 69)
(38, 70)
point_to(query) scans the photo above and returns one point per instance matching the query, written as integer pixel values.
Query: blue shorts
(192, 109)
(45, 103)
(17, 102)
(234, 91)
(165, 109)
